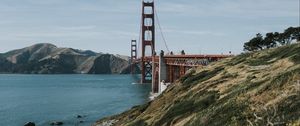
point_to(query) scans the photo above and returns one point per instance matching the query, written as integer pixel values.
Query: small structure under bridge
(162, 67)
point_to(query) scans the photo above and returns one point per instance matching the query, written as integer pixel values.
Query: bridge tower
(133, 55)
(148, 40)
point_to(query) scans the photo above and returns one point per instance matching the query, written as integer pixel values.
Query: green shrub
(221, 113)
(141, 108)
(229, 75)
(239, 59)
(296, 58)
(258, 62)
(278, 81)
(188, 106)
(196, 77)
(279, 53)
(186, 76)
(140, 122)
(202, 76)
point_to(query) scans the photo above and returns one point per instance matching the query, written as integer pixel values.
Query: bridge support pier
(155, 76)
(181, 70)
(170, 74)
(162, 70)
(160, 73)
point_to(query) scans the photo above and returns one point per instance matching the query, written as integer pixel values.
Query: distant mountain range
(45, 58)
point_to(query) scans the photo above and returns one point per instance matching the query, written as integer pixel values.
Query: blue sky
(197, 26)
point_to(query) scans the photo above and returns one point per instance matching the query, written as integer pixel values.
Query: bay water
(47, 98)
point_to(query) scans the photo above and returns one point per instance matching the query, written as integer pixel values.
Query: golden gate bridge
(163, 67)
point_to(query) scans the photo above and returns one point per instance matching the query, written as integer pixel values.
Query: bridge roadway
(169, 68)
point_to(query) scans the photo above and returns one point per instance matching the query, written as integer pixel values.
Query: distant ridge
(46, 58)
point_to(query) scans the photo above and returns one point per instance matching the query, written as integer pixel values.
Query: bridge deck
(185, 60)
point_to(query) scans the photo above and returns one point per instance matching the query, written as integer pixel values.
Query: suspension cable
(140, 35)
(161, 31)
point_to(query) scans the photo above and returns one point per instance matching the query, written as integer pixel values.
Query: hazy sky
(197, 26)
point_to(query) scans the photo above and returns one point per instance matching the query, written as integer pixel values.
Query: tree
(276, 37)
(255, 43)
(273, 39)
(288, 35)
(270, 40)
(296, 34)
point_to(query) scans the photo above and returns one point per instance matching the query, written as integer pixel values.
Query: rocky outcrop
(56, 123)
(5, 65)
(47, 58)
(30, 124)
(108, 64)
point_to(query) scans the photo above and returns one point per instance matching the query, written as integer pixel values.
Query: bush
(202, 76)
(181, 109)
(296, 58)
(140, 122)
(239, 59)
(226, 113)
(186, 76)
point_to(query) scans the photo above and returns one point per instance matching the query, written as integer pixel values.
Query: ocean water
(46, 98)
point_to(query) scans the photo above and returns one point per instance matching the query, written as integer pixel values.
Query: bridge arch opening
(148, 22)
(148, 35)
(148, 10)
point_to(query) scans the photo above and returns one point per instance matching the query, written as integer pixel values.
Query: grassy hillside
(259, 88)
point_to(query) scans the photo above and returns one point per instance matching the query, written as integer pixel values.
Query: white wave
(135, 83)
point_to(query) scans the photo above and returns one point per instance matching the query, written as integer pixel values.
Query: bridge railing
(187, 62)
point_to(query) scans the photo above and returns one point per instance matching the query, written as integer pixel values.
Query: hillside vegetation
(257, 88)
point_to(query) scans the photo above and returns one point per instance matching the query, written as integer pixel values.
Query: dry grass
(251, 89)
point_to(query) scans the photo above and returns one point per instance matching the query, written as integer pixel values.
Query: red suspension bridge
(157, 68)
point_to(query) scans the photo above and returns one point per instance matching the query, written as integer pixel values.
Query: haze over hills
(260, 88)
(45, 58)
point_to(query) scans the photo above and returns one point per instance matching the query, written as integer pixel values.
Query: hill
(45, 58)
(257, 88)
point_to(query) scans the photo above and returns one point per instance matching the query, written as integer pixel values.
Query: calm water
(46, 98)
